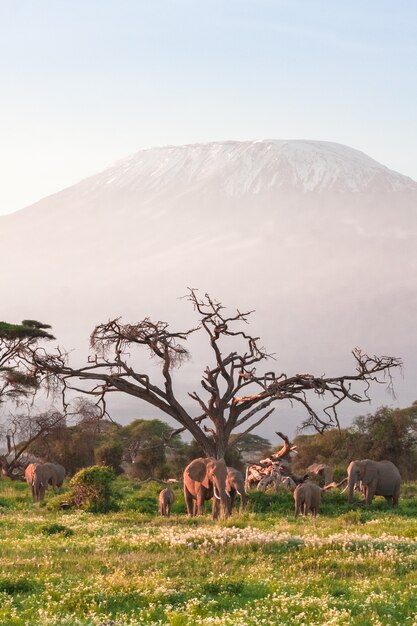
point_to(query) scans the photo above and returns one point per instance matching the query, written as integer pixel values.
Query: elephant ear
(368, 473)
(198, 471)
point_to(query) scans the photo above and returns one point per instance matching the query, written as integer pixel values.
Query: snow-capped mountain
(253, 167)
(319, 238)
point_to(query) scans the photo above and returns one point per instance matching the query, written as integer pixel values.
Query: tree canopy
(234, 396)
(17, 376)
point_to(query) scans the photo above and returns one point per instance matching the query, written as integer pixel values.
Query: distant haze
(317, 237)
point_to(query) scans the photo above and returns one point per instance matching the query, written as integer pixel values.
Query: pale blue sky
(85, 82)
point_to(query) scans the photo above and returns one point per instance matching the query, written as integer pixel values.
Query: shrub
(13, 586)
(55, 528)
(91, 488)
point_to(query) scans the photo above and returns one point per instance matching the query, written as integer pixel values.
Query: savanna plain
(351, 565)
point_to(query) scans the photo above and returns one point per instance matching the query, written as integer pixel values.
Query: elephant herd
(210, 479)
(372, 478)
(207, 479)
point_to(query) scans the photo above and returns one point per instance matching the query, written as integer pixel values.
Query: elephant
(265, 482)
(39, 475)
(166, 500)
(307, 497)
(289, 483)
(205, 478)
(323, 472)
(235, 484)
(57, 474)
(377, 478)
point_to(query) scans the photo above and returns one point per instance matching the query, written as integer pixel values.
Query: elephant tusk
(238, 492)
(215, 493)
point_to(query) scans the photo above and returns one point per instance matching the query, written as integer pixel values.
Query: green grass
(351, 565)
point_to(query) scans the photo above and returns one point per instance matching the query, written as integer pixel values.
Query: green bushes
(91, 489)
(55, 529)
(13, 586)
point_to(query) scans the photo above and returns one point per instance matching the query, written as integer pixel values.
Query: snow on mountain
(252, 167)
(319, 238)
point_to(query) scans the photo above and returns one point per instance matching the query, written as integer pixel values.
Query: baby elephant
(166, 500)
(307, 497)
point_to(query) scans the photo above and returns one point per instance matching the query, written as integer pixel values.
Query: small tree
(110, 454)
(390, 434)
(147, 445)
(234, 395)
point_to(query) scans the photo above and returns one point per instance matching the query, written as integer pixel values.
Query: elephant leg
(38, 493)
(215, 507)
(232, 500)
(298, 508)
(307, 506)
(200, 503)
(41, 493)
(189, 502)
(370, 492)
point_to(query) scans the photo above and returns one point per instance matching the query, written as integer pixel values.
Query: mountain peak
(252, 167)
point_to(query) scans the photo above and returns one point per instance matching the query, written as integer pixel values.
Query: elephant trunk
(223, 497)
(351, 486)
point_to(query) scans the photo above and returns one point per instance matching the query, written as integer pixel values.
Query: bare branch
(232, 392)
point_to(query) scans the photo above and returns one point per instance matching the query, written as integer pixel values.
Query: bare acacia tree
(233, 395)
(22, 430)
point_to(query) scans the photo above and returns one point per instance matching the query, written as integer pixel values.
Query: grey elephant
(166, 500)
(307, 497)
(205, 478)
(56, 474)
(323, 472)
(39, 475)
(377, 478)
(235, 485)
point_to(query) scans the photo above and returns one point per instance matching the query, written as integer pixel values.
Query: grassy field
(132, 568)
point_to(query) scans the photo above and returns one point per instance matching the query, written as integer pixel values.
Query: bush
(55, 529)
(13, 586)
(91, 489)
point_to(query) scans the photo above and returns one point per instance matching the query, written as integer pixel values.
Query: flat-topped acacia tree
(17, 341)
(233, 397)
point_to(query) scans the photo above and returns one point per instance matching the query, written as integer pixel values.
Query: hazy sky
(85, 82)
